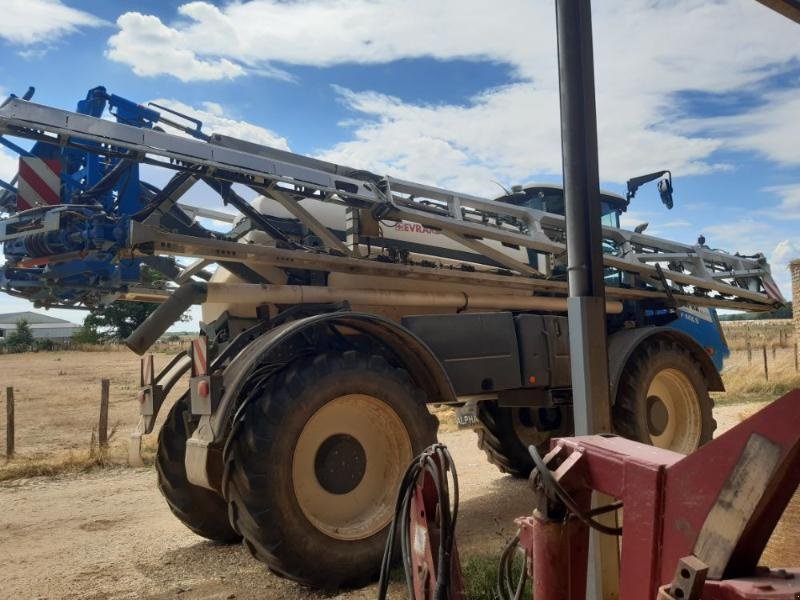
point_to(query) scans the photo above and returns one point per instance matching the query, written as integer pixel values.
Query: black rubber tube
(165, 315)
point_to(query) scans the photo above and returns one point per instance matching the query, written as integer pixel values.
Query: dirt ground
(109, 534)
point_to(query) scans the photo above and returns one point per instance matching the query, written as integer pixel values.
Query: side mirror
(664, 186)
(665, 190)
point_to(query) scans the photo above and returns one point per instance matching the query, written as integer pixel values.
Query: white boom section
(655, 267)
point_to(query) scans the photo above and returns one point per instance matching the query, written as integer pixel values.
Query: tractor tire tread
(255, 513)
(202, 511)
(490, 440)
(625, 411)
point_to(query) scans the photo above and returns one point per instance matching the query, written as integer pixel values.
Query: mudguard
(203, 449)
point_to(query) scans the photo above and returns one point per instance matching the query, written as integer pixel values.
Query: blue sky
(459, 93)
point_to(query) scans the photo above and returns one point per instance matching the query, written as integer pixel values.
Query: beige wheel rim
(673, 412)
(347, 466)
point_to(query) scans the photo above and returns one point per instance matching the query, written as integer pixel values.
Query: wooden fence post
(9, 422)
(796, 369)
(102, 428)
(749, 353)
(766, 368)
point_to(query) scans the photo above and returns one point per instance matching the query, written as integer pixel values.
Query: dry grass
(744, 372)
(73, 461)
(57, 405)
(446, 416)
(769, 332)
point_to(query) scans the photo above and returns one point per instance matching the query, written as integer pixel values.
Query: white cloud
(771, 129)
(214, 121)
(151, 48)
(785, 252)
(516, 32)
(435, 144)
(789, 205)
(8, 164)
(645, 53)
(511, 133)
(325, 33)
(747, 235)
(676, 223)
(33, 53)
(42, 21)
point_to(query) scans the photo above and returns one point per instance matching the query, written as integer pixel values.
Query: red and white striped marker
(200, 356)
(39, 182)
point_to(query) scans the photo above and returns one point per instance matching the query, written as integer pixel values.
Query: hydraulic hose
(434, 461)
(165, 315)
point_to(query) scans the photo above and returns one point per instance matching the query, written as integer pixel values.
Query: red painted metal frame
(771, 585)
(667, 497)
(556, 547)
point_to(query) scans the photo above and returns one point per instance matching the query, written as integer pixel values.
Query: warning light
(532, 379)
(202, 389)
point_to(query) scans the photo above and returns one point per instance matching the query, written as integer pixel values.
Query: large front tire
(316, 465)
(663, 400)
(201, 510)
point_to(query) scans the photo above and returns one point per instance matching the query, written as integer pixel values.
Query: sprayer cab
(549, 198)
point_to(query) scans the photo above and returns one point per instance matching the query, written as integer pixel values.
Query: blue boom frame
(100, 191)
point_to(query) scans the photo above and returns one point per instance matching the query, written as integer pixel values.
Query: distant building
(42, 326)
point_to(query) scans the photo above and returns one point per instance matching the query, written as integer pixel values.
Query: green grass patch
(480, 576)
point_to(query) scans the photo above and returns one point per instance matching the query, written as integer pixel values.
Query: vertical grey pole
(102, 427)
(9, 422)
(589, 356)
(586, 304)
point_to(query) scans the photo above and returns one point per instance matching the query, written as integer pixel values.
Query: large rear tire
(203, 511)
(504, 434)
(315, 467)
(663, 400)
